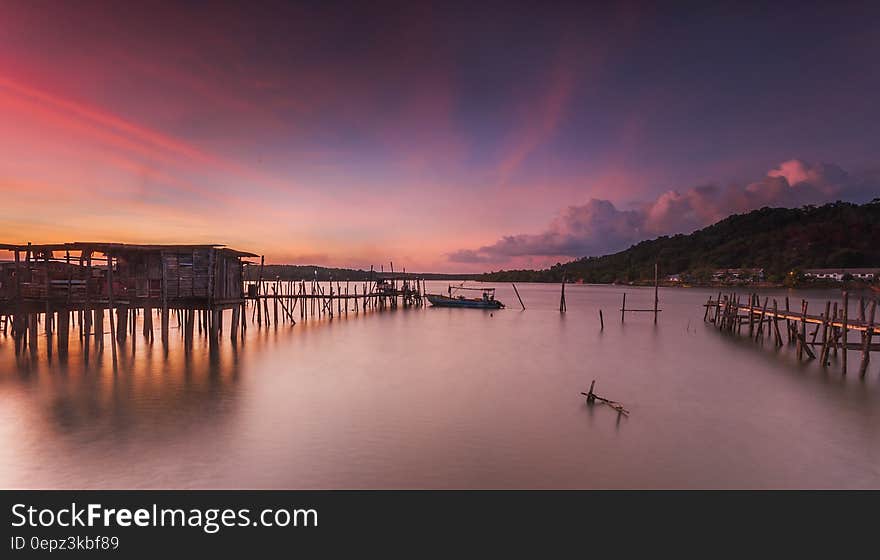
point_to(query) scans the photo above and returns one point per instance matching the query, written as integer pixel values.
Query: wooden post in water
(835, 332)
(189, 322)
(32, 333)
(734, 313)
(845, 328)
(562, 297)
(259, 291)
(826, 335)
(275, 303)
(601, 321)
(110, 308)
(656, 289)
(804, 345)
(802, 337)
(233, 331)
(776, 323)
(87, 312)
(751, 315)
(99, 326)
(517, 296)
(121, 323)
(63, 332)
(761, 320)
(866, 345)
(214, 328)
(787, 322)
(165, 317)
(623, 308)
(148, 319)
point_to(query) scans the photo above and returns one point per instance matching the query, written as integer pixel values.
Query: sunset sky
(443, 137)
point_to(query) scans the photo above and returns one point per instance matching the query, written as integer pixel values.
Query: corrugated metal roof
(104, 247)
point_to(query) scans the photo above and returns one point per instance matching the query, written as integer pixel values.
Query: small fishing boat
(485, 301)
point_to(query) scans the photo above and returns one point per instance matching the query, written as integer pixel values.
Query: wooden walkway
(195, 283)
(313, 299)
(831, 333)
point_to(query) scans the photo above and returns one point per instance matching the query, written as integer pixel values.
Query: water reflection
(443, 398)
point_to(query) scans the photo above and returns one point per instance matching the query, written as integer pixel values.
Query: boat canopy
(473, 289)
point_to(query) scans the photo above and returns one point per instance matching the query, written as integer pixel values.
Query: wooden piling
(761, 320)
(776, 323)
(834, 330)
(148, 321)
(562, 297)
(517, 296)
(826, 335)
(234, 328)
(214, 328)
(845, 329)
(99, 326)
(866, 345)
(656, 289)
(32, 333)
(63, 332)
(189, 320)
(802, 337)
(165, 317)
(110, 308)
(751, 315)
(787, 322)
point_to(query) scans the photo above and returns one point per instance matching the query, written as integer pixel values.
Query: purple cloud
(598, 227)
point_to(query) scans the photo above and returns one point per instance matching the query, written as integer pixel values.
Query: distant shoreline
(854, 286)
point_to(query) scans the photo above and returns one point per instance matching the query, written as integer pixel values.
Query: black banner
(123, 523)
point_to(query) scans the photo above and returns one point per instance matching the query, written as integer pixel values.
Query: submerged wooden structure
(831, 330)
(656, 309)
(84, 283)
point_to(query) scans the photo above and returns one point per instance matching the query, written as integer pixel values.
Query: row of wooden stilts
(314, 301)
(831, 333)
(90, 324)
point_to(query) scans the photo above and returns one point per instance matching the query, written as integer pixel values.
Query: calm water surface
(446, 398)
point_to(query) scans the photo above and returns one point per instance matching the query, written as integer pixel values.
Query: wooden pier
(831, 330)
(60, 286)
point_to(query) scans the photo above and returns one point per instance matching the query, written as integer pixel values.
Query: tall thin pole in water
(845, 327)
(517, 296)
(562, 297)
(656, 289)
(110, 309)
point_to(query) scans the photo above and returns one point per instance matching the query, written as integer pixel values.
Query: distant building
(738, 275)
(837, 274)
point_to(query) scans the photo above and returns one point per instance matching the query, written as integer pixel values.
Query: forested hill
(779, 240)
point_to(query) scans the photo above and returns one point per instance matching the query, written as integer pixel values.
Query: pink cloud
(598, 227)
